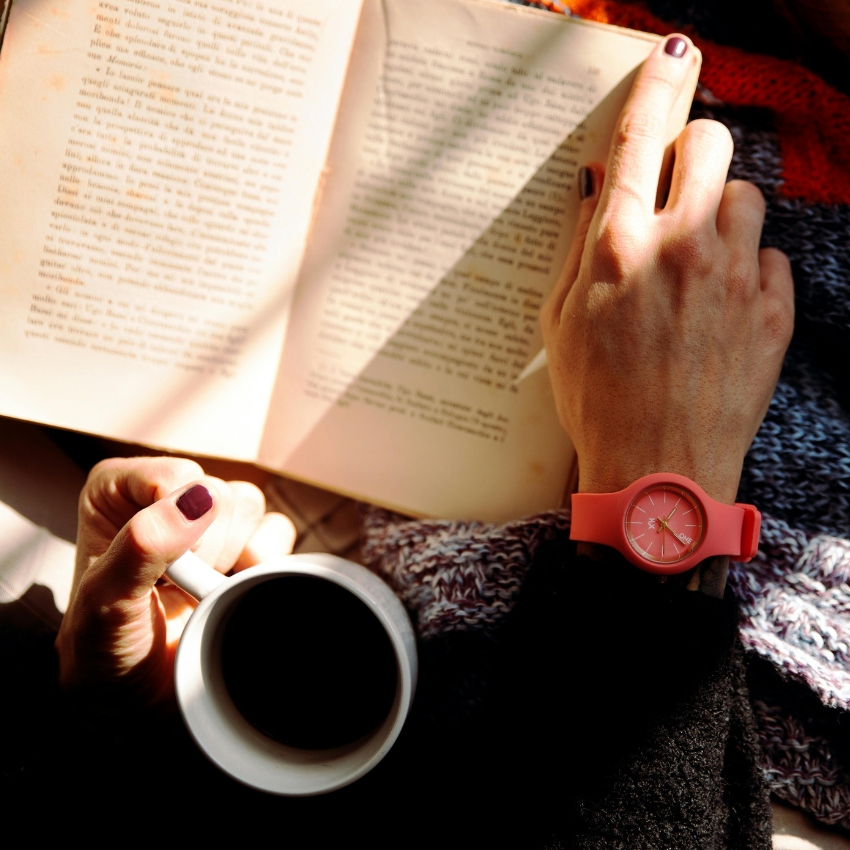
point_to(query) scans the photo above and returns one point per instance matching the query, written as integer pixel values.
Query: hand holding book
(668, 327)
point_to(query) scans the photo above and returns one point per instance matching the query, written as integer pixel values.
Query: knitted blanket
(791, 134)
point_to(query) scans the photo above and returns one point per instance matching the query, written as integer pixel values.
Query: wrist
(665, 523)
(609, 477)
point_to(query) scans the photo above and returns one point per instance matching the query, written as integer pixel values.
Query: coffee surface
(307, 663)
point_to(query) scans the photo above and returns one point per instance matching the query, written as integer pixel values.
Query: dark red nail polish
(585, 182)
(195, 502)
(676, 47)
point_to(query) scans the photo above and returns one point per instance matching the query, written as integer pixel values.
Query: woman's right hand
(667, 330)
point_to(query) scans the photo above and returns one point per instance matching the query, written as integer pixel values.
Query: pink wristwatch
(666, 524)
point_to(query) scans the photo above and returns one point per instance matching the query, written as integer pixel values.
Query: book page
(444, 223)
(160, 158)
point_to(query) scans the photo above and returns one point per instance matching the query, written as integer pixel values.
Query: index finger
(641, 136)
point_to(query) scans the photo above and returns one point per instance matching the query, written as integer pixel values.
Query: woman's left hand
(136, 516)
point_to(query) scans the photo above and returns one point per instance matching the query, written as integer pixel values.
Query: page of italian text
(444, 223)
(445, 219)
(160, 160)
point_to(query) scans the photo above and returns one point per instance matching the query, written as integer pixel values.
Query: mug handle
(194, 576)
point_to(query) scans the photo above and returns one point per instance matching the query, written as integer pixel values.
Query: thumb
(153, 538)
(589, 183)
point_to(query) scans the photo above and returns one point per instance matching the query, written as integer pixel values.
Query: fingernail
(585, 182)
(676, 47)
(195, 502)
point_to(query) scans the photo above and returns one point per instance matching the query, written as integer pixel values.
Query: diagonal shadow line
(183, 393)
(437, 148)
(402, 344)
(489, 236)
(180, 398)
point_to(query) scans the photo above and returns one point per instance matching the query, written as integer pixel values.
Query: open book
(311, 235)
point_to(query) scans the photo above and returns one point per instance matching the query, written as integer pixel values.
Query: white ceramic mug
(210, 714)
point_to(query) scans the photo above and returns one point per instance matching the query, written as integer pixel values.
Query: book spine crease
(4, 19)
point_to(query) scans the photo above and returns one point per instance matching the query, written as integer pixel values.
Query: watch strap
(730, 530)
(598, 518)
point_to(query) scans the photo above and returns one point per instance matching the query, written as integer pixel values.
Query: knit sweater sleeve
(617, 715)
(637, 689)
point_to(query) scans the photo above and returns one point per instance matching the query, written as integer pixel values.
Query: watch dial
(664, 523)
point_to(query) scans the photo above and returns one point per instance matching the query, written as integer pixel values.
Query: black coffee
(307, 663)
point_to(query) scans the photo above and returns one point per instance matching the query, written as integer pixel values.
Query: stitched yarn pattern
(455, 575)
(795, 607)
(802, 769)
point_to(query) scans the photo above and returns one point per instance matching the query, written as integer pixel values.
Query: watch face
(665, 523)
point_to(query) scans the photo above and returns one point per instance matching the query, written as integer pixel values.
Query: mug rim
(241, 750)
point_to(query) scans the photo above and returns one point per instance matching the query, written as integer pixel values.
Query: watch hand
(662, 521)
(663, 524)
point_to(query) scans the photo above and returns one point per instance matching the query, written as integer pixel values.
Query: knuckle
(742, 277)
(780, 258)
(169, 473)
(249, 498)
(627, 200)
(744, 192)
(778, 323)
(141, 536)
(611, 249)
(97, 482)
(659, 78)
(181, 466)
(689, 250)
(102, 469)
(606, 238)
(191, 465)
(87, 511)
(98, 469)
(619, 231)
(638, 126)
(709, 131)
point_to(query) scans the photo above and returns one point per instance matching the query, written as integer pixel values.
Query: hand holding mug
(294, 676)
(136, 516)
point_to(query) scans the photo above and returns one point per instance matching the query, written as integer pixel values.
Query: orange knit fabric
(812, 118)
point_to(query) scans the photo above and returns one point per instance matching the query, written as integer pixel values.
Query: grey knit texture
(803, 769)
(455, 575)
